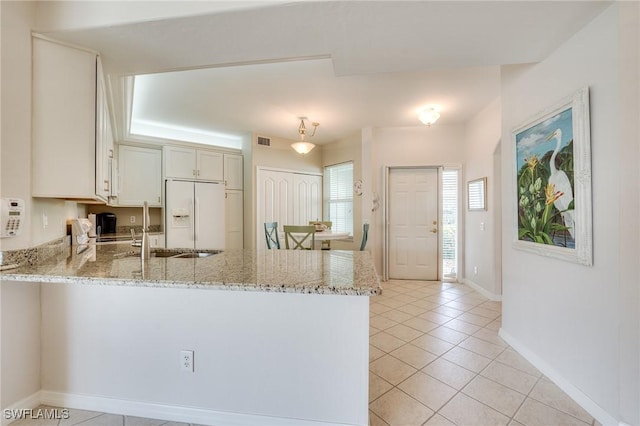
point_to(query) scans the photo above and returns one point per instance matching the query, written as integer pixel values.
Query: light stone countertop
(285, 271)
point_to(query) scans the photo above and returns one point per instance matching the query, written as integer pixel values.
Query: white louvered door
(287, 198)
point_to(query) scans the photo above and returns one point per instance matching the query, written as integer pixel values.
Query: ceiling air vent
(264, 141)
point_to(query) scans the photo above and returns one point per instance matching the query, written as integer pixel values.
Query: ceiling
(345, 64)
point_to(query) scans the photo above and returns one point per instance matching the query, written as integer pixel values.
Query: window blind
(449, 222)
(339, 196)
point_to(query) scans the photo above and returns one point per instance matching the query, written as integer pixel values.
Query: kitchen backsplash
(124, 214)
(137, 229)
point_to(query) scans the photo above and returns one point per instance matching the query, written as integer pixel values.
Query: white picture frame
(552, 182)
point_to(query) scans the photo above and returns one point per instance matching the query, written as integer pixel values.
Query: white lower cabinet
(140, 176)
(156, 241)
(234, 220)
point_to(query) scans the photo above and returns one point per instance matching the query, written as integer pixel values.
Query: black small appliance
(105, 223)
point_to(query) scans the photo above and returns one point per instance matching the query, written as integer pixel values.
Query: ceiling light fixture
(304, 147)
(428, 116)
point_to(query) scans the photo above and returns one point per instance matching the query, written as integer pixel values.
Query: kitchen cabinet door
(209, 165)
(179, 162)
(234, 220)
(140, 176)
(194, 164)
(104, 142)
(233, 176)
(156, 241)
(63, 122)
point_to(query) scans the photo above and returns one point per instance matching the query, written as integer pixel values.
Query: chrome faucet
(145, 250)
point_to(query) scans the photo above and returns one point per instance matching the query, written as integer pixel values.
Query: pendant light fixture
(303, 147)
(428, 116)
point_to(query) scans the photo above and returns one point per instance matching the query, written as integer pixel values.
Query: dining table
(326, 235)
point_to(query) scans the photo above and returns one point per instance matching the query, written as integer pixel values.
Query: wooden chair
(326, 244)
(271, 235)
(298, 236)
(365, 233)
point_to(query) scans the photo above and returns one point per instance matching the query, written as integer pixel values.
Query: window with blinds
(339, 196)
(450, 223)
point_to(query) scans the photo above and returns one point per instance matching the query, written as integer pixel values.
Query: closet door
(307, 198)
(287, 198)
(274, 201)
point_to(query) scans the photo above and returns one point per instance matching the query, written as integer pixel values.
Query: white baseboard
(576, 394)
(169, 412)
(483, 291)
(32, 401)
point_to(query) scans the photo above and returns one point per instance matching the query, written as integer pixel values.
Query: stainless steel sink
(194, 255)
(165, 254)
(172, 254)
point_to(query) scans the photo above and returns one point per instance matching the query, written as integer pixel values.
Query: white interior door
(274, 201)
(413, 224)
(287, 198)
(307, 198)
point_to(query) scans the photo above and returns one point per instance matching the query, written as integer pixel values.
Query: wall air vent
(264, 141)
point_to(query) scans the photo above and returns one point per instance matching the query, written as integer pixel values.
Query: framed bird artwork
(553, 181)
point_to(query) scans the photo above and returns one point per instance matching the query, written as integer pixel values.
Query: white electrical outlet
(482, 226)
(132, 219)
(186, 361)
(45, 221)
(475, 270)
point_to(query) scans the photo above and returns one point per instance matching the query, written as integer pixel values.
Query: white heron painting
(545, 171)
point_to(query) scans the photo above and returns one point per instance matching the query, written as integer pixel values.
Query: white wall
(409, 146)
(20, 319)
(268, 354)
(280, 155)
(15, 171)
(482, 134)
(629, 120)
(567, 316)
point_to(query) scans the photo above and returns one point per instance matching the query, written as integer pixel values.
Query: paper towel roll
(92, 231)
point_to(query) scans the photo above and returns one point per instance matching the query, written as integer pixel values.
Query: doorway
(413, 225)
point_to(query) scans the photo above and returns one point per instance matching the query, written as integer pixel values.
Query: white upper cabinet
(190, 163)
(180, 162)
(64, 123)
(233, 176)
(209, 165)
(104, 142)
(140, 176)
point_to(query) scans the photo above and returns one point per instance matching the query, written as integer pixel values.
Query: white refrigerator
(194, 214)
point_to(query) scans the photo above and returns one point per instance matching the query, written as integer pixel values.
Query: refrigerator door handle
(196, 219)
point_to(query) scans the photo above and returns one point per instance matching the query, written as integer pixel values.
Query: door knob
(434, 230)
(435, 222)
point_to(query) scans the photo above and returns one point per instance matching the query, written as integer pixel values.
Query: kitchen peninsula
(278, 336)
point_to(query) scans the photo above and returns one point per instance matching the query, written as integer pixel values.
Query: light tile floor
(90, 418)
(435, 360)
